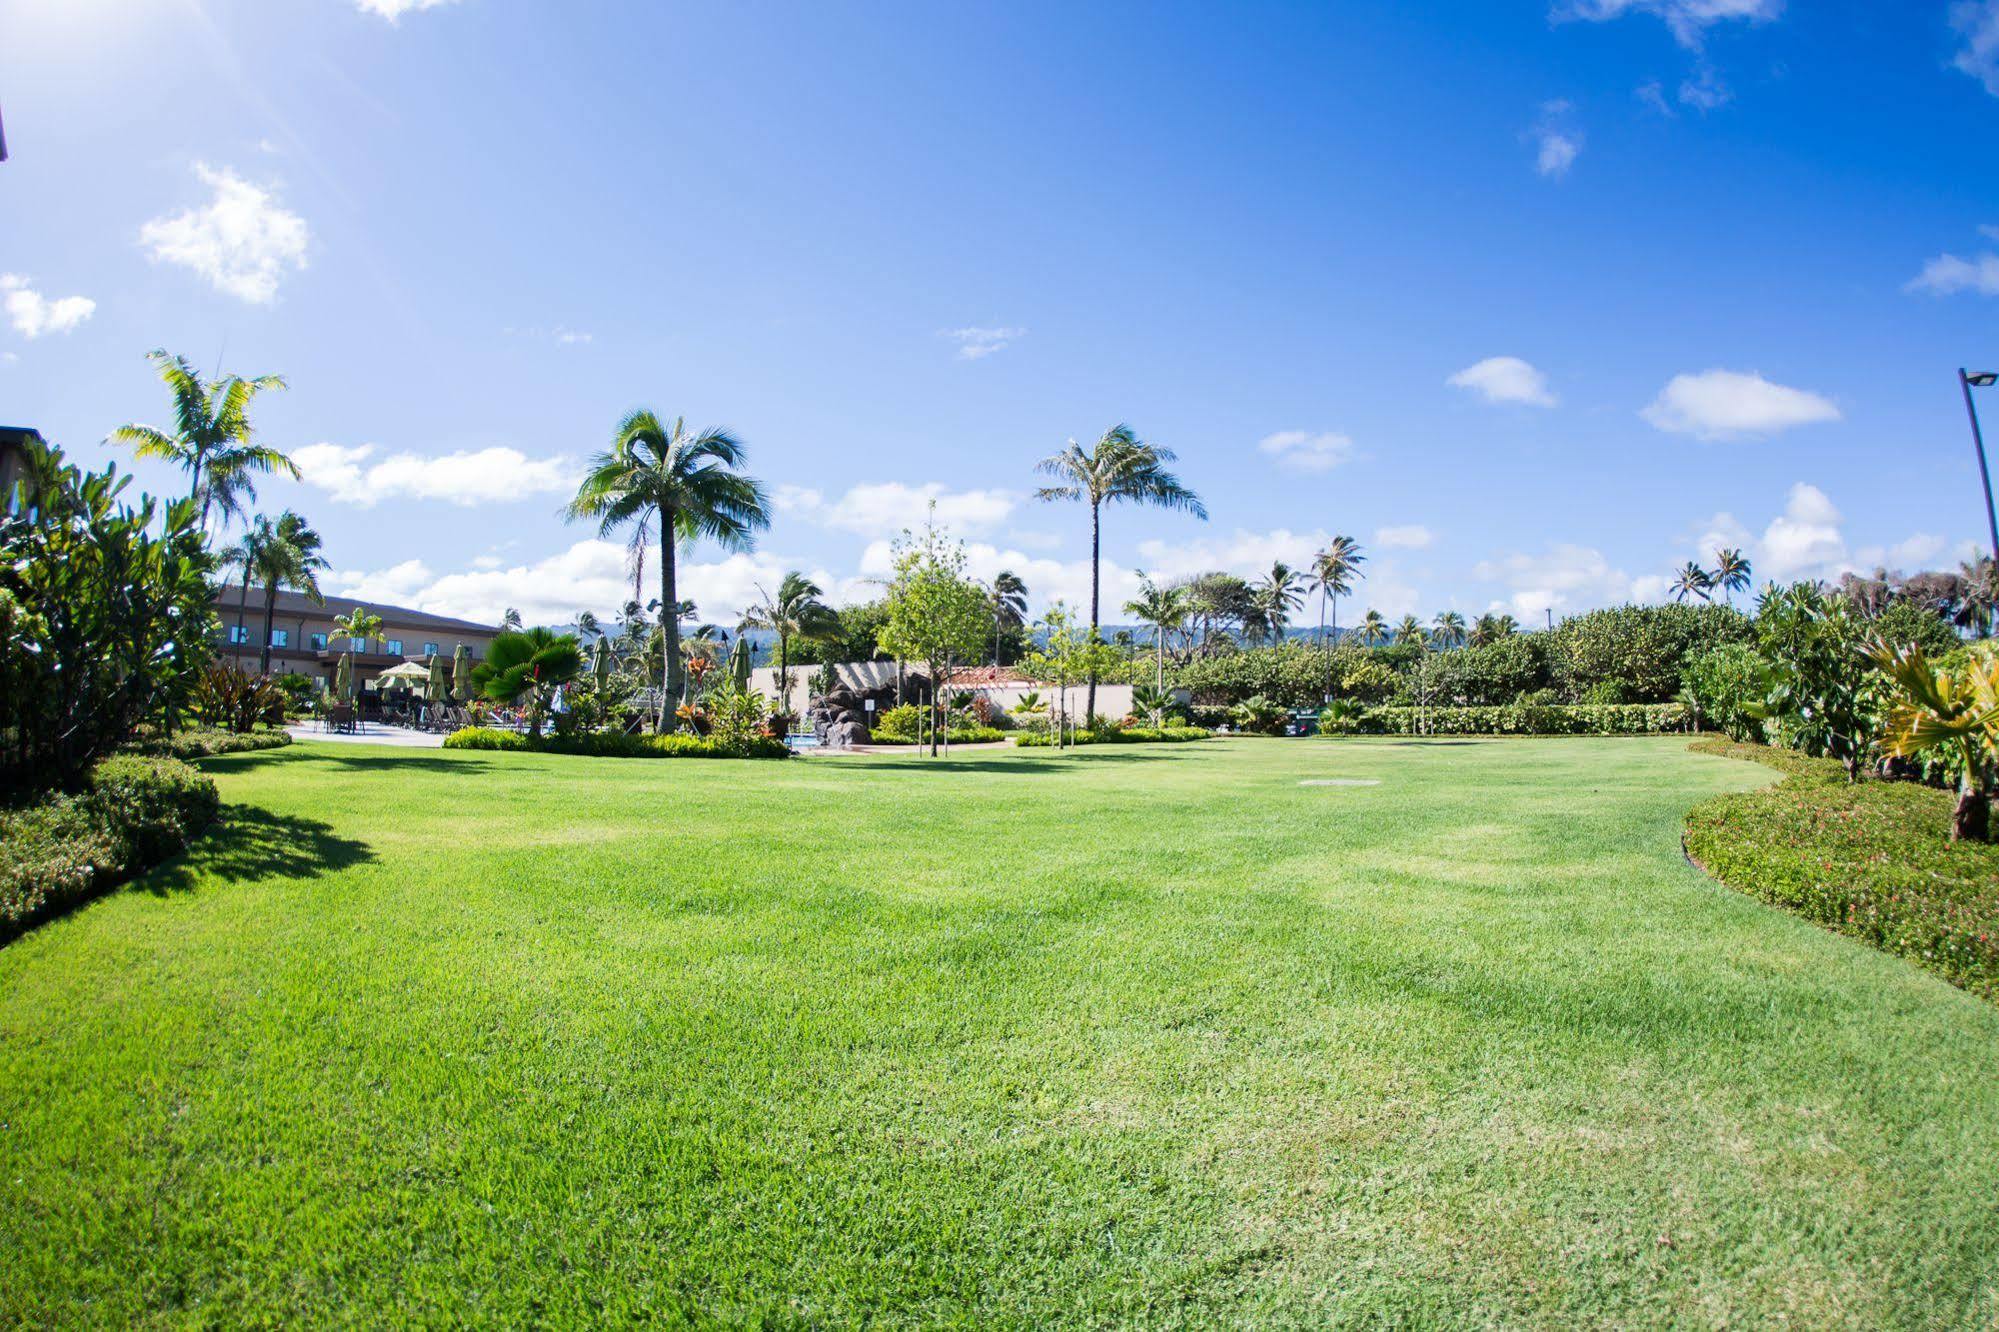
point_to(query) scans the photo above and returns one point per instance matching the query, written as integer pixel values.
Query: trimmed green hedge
(191, 745)
(615, 744)
(66, 849)
(1871, 859)
(1133, 735)
(1529, 719)
(963, 735)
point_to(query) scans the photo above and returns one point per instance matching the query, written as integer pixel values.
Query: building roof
(294, 604)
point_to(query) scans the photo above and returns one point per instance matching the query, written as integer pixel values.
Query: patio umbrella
(461, 674)
(602, 666)
(739, 660)
(411, 671)
(343, 678)
(434, 687)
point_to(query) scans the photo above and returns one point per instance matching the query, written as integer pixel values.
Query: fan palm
(528, 666)
(1955, 712)
(1334, 572)
(1373, 628)
(1119, 467)
(211, 439)
(692, 483)
(1731, 572)
(1448, 630)
(289, 558)
(1009, 595)
(1692, 581)
(795, 612)
(1165, 610)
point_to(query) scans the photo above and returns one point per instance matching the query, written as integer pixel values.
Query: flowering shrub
(1869, 859)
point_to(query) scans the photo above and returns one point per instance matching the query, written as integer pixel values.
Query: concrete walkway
(374, 733)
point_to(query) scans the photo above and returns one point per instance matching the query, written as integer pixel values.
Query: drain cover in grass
(1339, 781)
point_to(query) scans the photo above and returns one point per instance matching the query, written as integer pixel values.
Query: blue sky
(1535, 299)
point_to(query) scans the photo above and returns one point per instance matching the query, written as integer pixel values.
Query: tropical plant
(936, 614)
(587, 625)
(1030, 704)
(1258, 716)
(1692, 581)
(795, 612)
(287, 556)
(692, 484)
(1821, 698)
(1214, 602)
(736, 715)
(1120, 467)
(1340, 717)
(1489, 628)
(1009, 595)
(1726, 686)
(1334, 572)
(1950, 711)
(1373, 628)
(359, 626)
(1978, 603)
(1448, 630)
(525, 668)
(1280, 593)
(211, 439)
(1410, 633)
(510, 619)
(1151, 702)
(230, 698)
(1732, 573)
(105, 615)
(1164, 609)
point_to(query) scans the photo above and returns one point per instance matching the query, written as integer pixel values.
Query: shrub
(188, 746)
(135, 812)
(616, 744)
(1258, 716)
(1129, 735)
(1870, 860)
(1726, 682)
(1637, 654)
(1530, 719)
(959, 735)
(227, 696)
(897, 723)
(1489, 675)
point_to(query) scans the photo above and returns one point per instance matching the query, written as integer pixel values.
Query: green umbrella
(739, 660)
(343, 678)
(461, 674)
(433, 688)
(602, 666)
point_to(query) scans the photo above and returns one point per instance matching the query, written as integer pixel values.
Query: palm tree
(1731, 572)
(588, 626)
(1120, 467)
(243, 555)
(1956, 711)
(1692, 581)
(1449, 630)
(529, 665)
(1410, 633)
(1281, 592)
(211, 439)
(358, 625)
(511, 620)
(1009, 596)
(290, 558)
(692, 484)
(1334, 572)
(1163, 608)
(795, 612)
(1373, 628)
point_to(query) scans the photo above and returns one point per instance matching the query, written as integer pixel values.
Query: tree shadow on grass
(430, 761)
(1035, 762)
(246, 844)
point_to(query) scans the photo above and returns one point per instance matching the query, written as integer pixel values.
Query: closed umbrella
(434, 686)
(739, 660)
(602, 666)
(461, 674)
(343, 678)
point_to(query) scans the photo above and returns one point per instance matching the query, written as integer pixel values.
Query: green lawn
(1148, 1035)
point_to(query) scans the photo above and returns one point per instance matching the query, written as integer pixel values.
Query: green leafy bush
(1129, 735)
(1258, 716)
(1637, 654)
(959, 735)
(616, 744)
(896, 723)
(1870, 859)
(135, 812)
(190, 745)
(1530, 719)
(1726, 683)
(1489, 675)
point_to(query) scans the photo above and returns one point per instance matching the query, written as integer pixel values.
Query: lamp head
(1983, 379)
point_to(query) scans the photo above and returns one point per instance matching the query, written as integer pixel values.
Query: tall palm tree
(242, 556)
(1411, 633)
(212, 439)
(1121, 466)
(1449, 630)
(1281, 592)
(1731, 572)
(1009, 595)
(290, 558)
(1373, 628)
(1165, 610)
(588, 626)
(1334, 572)
(1692, 581)
(795, 612)
(358, 626)
(692, 484)
(510, 620)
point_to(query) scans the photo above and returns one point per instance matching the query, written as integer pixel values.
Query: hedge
(1529, 719)
(1131, 735)
(615, 744)
(191, 745)
(1872, 860)
(66, 849)
(963, 735)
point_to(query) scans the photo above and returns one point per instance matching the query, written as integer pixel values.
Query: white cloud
(1804, 541)
(976, 343)
(876, 509)
(1243, 552)
(1505, 379)
(1408, 536)
(242, 240)
(34, 314)
(482, 476)
(1948, 274)
(1565, 577)
(1978, 22)
(1306, 451)
(393, 10)
(1557, 143)
(1688, 19)
(1719, 404)
(1704, 91)
(1048, 580)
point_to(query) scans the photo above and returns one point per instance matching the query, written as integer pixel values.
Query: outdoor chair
(340, 718)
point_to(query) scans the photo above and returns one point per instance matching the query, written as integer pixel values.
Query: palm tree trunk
(270, 621)
(1096, 554)
(669, 625)
(783, 673)
(1159, 673)
(1971, 821)
(242, 599)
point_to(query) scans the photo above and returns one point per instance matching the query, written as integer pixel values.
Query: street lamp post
(1969, 381)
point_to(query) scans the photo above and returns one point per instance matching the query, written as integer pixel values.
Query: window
(239, 633)
(394, 647)
(357, 645)
(430, 649)
(281, 638)
(318, 642)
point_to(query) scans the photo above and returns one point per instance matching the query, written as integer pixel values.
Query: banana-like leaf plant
(1951, 712)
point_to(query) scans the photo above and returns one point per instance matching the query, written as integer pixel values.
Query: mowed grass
(1139, 1036)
